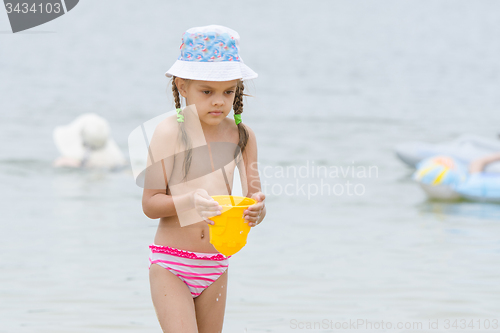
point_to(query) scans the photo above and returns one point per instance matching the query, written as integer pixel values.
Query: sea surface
(340, 84)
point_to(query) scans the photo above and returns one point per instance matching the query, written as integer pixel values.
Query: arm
(479, 164)
(155, 201)
(157, 204)
(256, 212)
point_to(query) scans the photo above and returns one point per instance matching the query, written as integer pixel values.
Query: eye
(230, 92)
(206, 92)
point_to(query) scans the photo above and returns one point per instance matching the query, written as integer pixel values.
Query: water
(340, 84)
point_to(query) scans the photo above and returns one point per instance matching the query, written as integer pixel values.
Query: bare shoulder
(167, 127)
(250, 152)
(251, 163)
(164, 138)
(252, 139)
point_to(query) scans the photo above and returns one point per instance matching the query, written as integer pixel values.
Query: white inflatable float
(87, 142)
(465, 148)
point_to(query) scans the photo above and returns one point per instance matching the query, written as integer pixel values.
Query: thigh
(172, 300)
(211, 305)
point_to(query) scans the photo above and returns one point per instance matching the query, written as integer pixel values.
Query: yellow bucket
(229, 233)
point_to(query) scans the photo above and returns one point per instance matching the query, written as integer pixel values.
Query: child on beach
(188, 276)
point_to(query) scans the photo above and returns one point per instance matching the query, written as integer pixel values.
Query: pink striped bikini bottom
(196, 269)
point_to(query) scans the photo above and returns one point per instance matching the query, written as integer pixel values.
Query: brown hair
(237, 108)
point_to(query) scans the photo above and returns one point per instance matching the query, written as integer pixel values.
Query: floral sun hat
(210, 53)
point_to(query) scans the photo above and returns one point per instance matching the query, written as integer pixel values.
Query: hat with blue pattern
(210, 53)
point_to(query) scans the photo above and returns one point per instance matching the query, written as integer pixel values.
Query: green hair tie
(237, 118)
(180, 117)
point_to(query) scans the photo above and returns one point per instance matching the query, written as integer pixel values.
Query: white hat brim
(69, 142)
(211, 71)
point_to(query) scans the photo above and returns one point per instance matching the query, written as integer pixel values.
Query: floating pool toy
(229, 233)
(465, 149)
(480, 186)
(438, 176)
(443, 177)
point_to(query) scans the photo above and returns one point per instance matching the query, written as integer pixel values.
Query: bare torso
(195, 237)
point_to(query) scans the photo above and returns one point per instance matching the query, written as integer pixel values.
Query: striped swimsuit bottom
(196, 269)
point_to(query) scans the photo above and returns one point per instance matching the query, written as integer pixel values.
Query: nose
(218, 100)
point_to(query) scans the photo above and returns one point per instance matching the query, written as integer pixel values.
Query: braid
(238, 109)
(182, 134)
(175, 91)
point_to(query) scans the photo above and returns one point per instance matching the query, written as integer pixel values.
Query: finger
(251, 218)
(209, 208)
(209, 221)
(259, 196)
(254, 223)
(212, 212)
(208, 205)
(257, 207)
(254, 209)
(252, 213)
(206, 213)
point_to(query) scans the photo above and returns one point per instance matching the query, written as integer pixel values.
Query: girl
(188, 276)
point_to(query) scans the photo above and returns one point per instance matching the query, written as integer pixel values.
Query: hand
(479, 164)
(476, 166)
(67, 162)
(205, 205)
(252, 213)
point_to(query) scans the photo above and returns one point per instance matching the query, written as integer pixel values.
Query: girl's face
(213, 99)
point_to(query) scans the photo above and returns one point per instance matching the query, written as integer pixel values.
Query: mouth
(215, 113)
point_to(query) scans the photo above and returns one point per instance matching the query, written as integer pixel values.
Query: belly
(194, 237)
